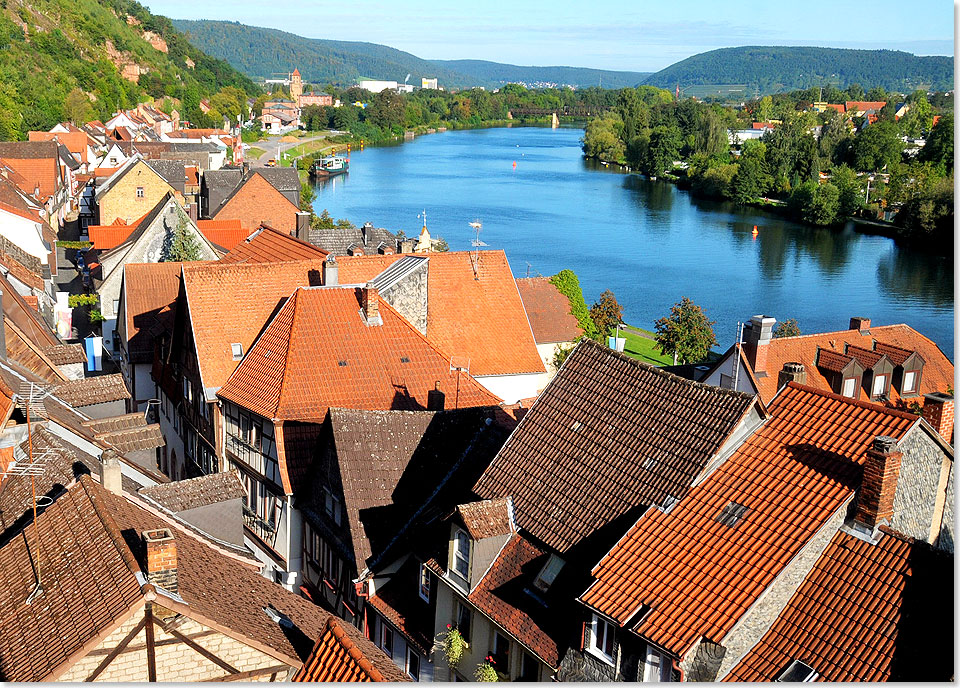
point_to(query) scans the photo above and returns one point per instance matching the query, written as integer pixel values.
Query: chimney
(881, 469)
(371, 304)
(367, 232)
(303, 226)
(330, 271)
(406, 246)
(435, 398)
(792, 372)
(938, 411)
(110, 472)
(193, 210)
(161, 551)
(860, 324)
(756, 337)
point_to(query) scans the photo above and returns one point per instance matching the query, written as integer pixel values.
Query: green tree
(567, 284)
(787, 328)
(877, 146)
(606, 313)
(851, 190)
(929, 215)
(602, 138)
(664, 148)
(939, 146)
(919, 118)
(686, 333)
(77, 108)
(182, 246)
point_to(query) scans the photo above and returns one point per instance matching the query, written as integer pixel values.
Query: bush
(567, 284)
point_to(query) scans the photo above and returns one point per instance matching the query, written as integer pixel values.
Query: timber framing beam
(253, 673)
(117, 650)
(199, 649)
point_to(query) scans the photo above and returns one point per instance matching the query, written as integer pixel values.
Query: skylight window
(650, 463)
(732, 514)
(237, 350)
(342, 364)
(404, 359)
(548, 573)
(798, 672)
(575, 426)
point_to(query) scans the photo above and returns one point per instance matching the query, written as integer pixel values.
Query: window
(330, 563)
(116, 306)
(187, 390)
(464, 616)
(732, 514)
(386, 639)
(548, 573)
(237, 350)
(601, 639)
(910, 378)
(656, 666)
(461, 554)
(529, 668)
(413, 664)
(879, 385)
(798, 672)
(501, 653)
(424, 583)
(139, 192)
(850, 387)
(331, 505)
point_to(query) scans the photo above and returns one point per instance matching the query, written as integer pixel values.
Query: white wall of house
(25, 233)
(725, 375)
(510, 388)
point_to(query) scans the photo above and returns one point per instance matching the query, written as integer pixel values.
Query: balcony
(256, 525)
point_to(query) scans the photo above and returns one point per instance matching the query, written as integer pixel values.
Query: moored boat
(329, 166)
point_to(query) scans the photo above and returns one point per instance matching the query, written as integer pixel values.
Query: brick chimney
(860, 324)
(938, 411)
(881, 470)
(161, 551)
(756, 338)
(330, 271)
(436, 399)
(370, 301)
(111, 478)
(792, 372)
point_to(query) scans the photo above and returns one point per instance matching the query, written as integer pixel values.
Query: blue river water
(649, 242)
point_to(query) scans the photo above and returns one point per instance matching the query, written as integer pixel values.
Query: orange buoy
(514, 164)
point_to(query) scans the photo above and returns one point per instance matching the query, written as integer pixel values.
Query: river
(649, 242)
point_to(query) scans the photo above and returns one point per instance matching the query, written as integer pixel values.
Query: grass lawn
(644, 349)
(254, 152)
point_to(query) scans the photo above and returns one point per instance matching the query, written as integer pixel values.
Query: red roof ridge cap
(353, 650)
(855, 402)
(286, 354)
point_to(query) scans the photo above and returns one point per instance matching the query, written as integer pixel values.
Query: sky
(630, 35)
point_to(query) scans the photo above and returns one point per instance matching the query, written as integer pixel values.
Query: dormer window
(850, 385)
(237, 350)
(461, 554)
(911, 381)
(548, 573)
(601, 643)
(880, 386)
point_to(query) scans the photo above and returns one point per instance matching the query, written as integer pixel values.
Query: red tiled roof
(699, 576)
(193, 175)
(268, 245)
(37, 162)
(318, 352)
(476, 316)
(548, 311)
(232, 303)
(855, 612)
(75, 141)
(487, 518)
(150, 290)
(865, 357)
(897, 355)
(500, 595)
(937, 370)
(833, 361)
(257, 202)
(338, 658)
(864, 105)
(224, 233)
(106, 237)
(839, 107)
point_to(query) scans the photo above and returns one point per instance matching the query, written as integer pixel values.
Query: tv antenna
(460, 364)
(30, 399)
(476, 243)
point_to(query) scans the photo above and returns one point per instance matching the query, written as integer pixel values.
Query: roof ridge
(109, 524)
(353, 650)
(855, 402)
(286, 354)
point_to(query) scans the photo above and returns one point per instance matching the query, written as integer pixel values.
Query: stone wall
(916, 503)
(409, 297)
(945, 541)
(761, 615)
(175, 660)
(580, 665)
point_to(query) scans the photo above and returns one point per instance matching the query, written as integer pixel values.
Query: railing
(259, 527)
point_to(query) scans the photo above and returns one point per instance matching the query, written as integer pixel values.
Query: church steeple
(296, 87)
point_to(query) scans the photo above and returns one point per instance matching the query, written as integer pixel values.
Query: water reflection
(916, 277)
(654, 197)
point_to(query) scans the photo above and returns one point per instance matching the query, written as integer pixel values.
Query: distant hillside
(49, 48)
(775, 69)
(497, 73)
(265, 53)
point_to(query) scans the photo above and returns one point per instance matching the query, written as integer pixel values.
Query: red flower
(449, 626)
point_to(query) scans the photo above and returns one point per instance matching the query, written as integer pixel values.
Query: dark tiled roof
(93, 390)
(700, 575)
(115, 423)
(832, 361)
(218, 184)
(548, 311)
(339, 657)
(134, 439)
(865, 612)
(399, 604)
(65, 354)
(607, 434)
(487, 518)
(281, 178)
(196, 492)
(337, 240)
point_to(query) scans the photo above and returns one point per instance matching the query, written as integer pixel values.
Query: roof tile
(548, 311)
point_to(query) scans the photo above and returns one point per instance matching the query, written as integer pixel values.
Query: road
(274, 147)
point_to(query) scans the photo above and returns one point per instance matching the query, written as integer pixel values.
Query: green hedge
(567, 284)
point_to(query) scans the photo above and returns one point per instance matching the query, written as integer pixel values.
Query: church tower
(296, 87)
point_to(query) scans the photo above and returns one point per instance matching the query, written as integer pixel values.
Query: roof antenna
(461, 365)
(476, 243)
(736, 356)
(30, 398)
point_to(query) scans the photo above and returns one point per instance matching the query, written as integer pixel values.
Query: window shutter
(583, 637)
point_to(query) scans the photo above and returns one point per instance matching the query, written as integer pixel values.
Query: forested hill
(777, 69)
(264, 53)
(497, 74)
(50, 49)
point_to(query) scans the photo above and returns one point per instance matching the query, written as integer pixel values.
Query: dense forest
(63, 59)
(264, 53)
(820, 168)
(767, 70)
